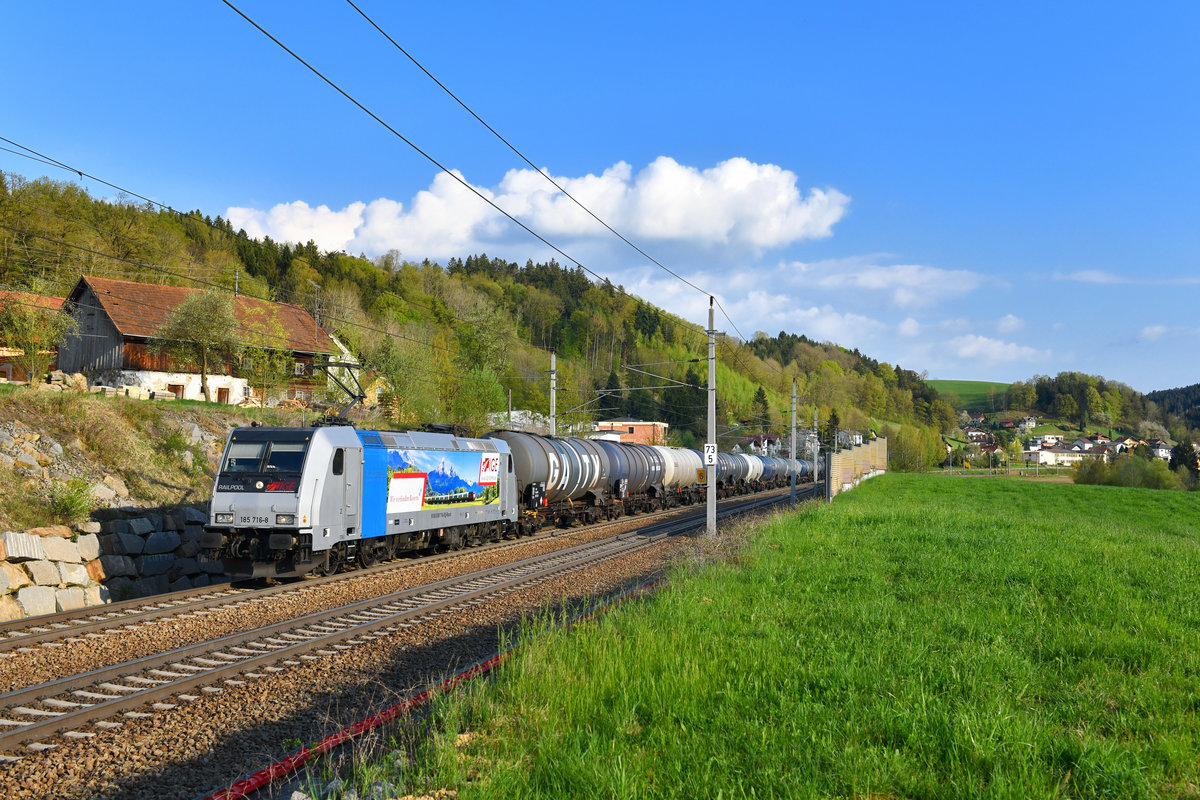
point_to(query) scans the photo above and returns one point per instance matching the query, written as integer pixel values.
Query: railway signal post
(792, 453)
(710, 448)
(553, 392)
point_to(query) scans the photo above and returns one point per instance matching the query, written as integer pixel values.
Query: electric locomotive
(288, 501)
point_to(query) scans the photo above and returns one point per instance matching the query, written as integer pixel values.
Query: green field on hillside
(972, 395)
(922, 636)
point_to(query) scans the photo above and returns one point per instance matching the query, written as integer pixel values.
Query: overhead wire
(545, 173)
(450, 173)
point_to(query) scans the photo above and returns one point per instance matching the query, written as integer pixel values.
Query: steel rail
(116, 617)
(71, 702)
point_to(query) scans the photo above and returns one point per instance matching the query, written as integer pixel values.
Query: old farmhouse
(118, 318)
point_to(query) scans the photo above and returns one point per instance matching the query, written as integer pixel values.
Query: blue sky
(982, 193)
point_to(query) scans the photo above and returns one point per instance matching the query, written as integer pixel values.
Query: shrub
(73, 499)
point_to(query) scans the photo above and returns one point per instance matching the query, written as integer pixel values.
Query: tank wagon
(289, 501)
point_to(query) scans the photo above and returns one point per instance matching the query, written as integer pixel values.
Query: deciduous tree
(201, 332)
(36, 332)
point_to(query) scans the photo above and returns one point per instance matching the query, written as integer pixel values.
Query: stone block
(116, 526)
(192, 516)
(36, 600)
(117, 485)
(156, 564)
(73, 574)
(89, 546)
(120, 588)
(188, 550)
(180, 584)
(69, 599)
(22, 546)
(161, 542)
(14, 576)
(6, 440)
(6, 460)
(201, 580)
(95, 570)
(54, 448)
(60, 549)
(185, 566)
(131, 544)
(173, 521)
(141, 526)
(60, 531)
(9, 610)
(4, 585)
(117, 566)
(44, 573)
(212, 567)
(103, 493)
(157, 584)
(192, 431)
(3, 551)
(97, 595)
(192, 533)
(91, 526)
(110, 544)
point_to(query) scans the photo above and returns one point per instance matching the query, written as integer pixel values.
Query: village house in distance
(118, 318)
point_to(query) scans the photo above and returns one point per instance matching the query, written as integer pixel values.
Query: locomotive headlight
(224, 518)
(285, 519)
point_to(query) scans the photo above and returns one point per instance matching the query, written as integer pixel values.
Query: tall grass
(918, 638)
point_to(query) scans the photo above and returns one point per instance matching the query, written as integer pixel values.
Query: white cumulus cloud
(1009, 323)
(736, 203)
(910, 327)
(909, 284)
(1152, 333)
(983, 348)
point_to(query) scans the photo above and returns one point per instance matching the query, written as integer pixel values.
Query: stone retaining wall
(57, 568)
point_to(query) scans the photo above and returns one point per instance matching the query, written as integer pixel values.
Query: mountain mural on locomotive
(423, 479)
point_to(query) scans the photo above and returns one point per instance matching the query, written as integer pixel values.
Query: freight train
(290, 501)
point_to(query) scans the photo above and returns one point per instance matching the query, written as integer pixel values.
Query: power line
(522, 156)
(463, 182)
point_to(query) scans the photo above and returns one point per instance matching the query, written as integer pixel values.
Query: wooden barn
(118, 318)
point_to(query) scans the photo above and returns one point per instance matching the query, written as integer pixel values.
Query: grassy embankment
(140, 441)
(920, 637)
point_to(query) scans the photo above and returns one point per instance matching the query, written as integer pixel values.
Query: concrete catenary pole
(553, 388)
(710, 447)
(792, 454)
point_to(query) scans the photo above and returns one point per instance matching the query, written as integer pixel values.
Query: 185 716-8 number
(251, 519)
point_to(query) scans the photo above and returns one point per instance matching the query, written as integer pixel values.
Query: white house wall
(193, 389)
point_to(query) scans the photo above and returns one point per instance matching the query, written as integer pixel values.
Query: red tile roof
(140, 309)
(34, 300)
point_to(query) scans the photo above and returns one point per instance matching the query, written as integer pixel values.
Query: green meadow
(922, 636)
(972, 395)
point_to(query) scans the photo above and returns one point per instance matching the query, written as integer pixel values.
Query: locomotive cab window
(244, 456)
(265, 457)
(339, 459)
(285, 457)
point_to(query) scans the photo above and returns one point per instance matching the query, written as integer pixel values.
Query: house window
(298, 368)
(631, 429)
(176, 389)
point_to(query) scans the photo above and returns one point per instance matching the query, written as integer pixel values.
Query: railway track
(79, 706)
(112, 619)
